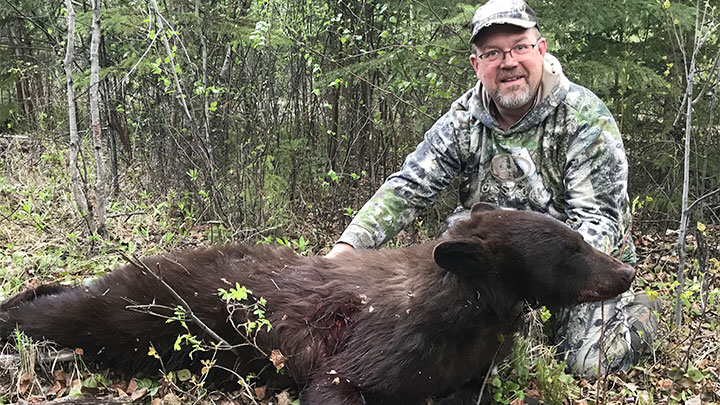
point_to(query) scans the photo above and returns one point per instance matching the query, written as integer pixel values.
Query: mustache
(513, 73)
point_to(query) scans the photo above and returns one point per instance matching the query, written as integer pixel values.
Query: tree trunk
(17, 40)
(684, 213)
(101, 181)
(76, 184)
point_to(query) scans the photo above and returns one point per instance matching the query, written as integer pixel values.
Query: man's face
(511, 81)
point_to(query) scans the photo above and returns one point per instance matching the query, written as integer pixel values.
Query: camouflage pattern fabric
(629, 327)
(515, 12)
(565, 157)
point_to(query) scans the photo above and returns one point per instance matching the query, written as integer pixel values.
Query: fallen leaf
(260, 392)
(278, 359)
(24, 383)
(59, 375)
(138, 394)
(131, 387)
(686, 382)
(56, 387)
(171, 399)
(283, 398)
(517, 401)
(693, 401)
(75, 388)
(120, 386)
(665, 384)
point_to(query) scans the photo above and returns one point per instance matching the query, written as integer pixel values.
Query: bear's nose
(628, 274)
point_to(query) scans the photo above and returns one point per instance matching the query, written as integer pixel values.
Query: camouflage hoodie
(565, 157)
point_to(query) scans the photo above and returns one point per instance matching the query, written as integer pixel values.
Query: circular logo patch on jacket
(506, 167)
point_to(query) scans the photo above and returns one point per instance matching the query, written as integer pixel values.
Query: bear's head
(537, 257)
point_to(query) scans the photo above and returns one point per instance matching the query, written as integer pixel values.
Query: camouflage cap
(515, 12)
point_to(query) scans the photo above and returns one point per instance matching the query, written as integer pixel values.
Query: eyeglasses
(495, 55)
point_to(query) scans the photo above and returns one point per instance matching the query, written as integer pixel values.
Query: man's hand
(338, 250)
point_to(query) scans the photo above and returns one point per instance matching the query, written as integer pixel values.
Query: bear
(367, 327)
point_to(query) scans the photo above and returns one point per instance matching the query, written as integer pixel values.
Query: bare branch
(708, 81)
(83, 401)
(7, 360)
(706, 196)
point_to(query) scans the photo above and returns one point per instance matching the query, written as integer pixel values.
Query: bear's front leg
(331, 388)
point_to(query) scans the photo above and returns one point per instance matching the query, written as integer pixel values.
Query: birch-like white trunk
(101, 181)
(76, 184)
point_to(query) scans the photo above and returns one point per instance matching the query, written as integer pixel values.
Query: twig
(246, 387)
(128, 214)
(14, 136)
(703, 293)
(142, 266)
(487, 376)
(601, 380)
(492, 365)
(707, 195)
(83, 401)
(6, 360)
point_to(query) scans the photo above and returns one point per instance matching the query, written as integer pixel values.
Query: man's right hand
(338, 250)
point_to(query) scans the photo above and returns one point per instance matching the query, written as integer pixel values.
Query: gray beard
(513, 100)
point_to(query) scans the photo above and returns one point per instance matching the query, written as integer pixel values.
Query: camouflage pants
(628, 330)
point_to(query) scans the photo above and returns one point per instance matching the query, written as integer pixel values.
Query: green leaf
(695, 374)
(184, 374)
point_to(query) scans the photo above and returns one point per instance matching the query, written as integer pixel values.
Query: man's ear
(482, 206)
(465, 257)
(542, 46)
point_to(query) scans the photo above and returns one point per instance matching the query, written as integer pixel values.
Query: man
(526, 138)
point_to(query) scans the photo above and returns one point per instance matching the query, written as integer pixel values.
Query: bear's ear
(465, 257)
(482, 206)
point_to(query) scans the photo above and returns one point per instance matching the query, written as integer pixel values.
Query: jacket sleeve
(595, 179)
(427, 171)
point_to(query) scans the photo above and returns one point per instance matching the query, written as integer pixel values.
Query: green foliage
(555, 385)
(300, 245)
(187, 339)
(152, 385)
(234, 299)
(506, 392)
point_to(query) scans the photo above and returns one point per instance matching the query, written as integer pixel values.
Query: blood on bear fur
(387, 326)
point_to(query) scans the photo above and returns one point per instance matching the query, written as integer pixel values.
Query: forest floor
(41, 240)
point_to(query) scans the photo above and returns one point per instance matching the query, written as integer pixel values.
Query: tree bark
(101, 181)
(17, 41)
(76, 184)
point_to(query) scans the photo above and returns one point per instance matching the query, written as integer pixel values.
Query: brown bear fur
(387, 326)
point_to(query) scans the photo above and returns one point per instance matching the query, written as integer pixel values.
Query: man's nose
(508, 61)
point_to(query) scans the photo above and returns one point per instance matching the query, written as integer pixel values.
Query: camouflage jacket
(565, 157)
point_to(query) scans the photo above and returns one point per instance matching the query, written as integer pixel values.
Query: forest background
(158, 125)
